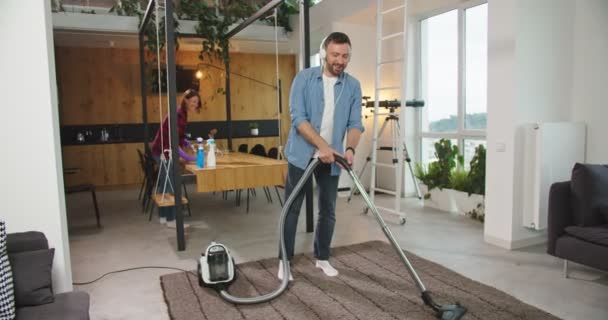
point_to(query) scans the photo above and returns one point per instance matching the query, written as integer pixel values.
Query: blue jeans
(165, 212)
(328, 190)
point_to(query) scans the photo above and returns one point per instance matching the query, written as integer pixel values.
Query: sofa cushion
(32, 277)
(26, 241)
(580, 251)
(7, 298)
(589, 186)
(597, 235)
(67, 306)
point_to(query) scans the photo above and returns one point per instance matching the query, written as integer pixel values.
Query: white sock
(327, 268)
(162, 220)
(280, 273)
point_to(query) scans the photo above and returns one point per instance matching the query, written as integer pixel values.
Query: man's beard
(335, 69)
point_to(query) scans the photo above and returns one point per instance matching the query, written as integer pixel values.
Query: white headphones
(323, 52)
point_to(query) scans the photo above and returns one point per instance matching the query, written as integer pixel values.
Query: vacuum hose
(445, 312)
(286, 271)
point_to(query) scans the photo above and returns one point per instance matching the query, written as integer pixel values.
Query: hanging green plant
(57, 6)
(284, 11)
(214, 21)
(127, 8)
(213, 24)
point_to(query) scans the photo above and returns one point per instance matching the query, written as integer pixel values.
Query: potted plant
(436, 179)
(253, 128)
(449, 187)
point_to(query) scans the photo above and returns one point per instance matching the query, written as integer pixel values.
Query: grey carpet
(373, 284)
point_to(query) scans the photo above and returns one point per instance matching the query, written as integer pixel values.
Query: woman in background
(191, 102)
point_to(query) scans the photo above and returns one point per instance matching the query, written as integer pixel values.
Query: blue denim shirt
(307, 103)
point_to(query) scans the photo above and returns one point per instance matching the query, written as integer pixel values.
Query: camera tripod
(392, 121)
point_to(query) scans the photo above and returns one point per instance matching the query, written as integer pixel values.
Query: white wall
(31, 175)
(543, 86)
(529, 80)
(544, 34)
(500, 122)
(590, 75)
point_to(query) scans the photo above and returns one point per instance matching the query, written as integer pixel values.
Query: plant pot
(439, 199)
(255, 132)
(467, 203)
(450, 200)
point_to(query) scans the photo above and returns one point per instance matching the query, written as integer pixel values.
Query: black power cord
(131, 269)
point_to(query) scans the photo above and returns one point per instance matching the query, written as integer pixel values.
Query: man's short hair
(336, 37)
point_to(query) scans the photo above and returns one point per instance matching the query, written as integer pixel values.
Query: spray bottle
(211, 155)
(200, 154)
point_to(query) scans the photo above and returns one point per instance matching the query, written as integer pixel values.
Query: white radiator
(550, 151)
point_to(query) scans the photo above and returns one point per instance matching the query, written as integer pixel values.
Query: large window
(453, 79)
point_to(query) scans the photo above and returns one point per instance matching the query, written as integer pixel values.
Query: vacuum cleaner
(216, 268)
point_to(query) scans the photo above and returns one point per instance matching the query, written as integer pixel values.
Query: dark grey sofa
(65, 306)
(578, 218)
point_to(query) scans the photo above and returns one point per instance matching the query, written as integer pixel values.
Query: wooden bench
(168, 200)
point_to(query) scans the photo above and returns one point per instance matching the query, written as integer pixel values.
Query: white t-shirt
(327, 121)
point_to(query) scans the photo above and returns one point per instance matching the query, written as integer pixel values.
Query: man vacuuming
(325, 105)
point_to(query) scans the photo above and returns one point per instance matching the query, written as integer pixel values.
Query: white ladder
(397, 137)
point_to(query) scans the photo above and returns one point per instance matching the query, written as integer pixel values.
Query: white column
(31, 170)
(529, 80)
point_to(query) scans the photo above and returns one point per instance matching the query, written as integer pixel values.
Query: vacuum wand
(444, 312)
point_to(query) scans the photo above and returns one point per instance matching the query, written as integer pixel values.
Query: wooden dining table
(237, 170)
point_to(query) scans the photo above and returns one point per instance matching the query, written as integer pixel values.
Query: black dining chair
(86, 188)
(274, 154)
(257, 150)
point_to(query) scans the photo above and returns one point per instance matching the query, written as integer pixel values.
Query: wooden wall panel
(98, 86)
(88, 160)
(121, 164)
(102, 86)
(103, 165)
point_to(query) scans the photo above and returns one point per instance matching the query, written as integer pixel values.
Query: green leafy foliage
(214, 21)
(127, 8)
(284, 11)
(438, 173)
(446, 155)
(213, 24)
(459, 180)
(444, 173)
(477, 175)
(57, 6)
